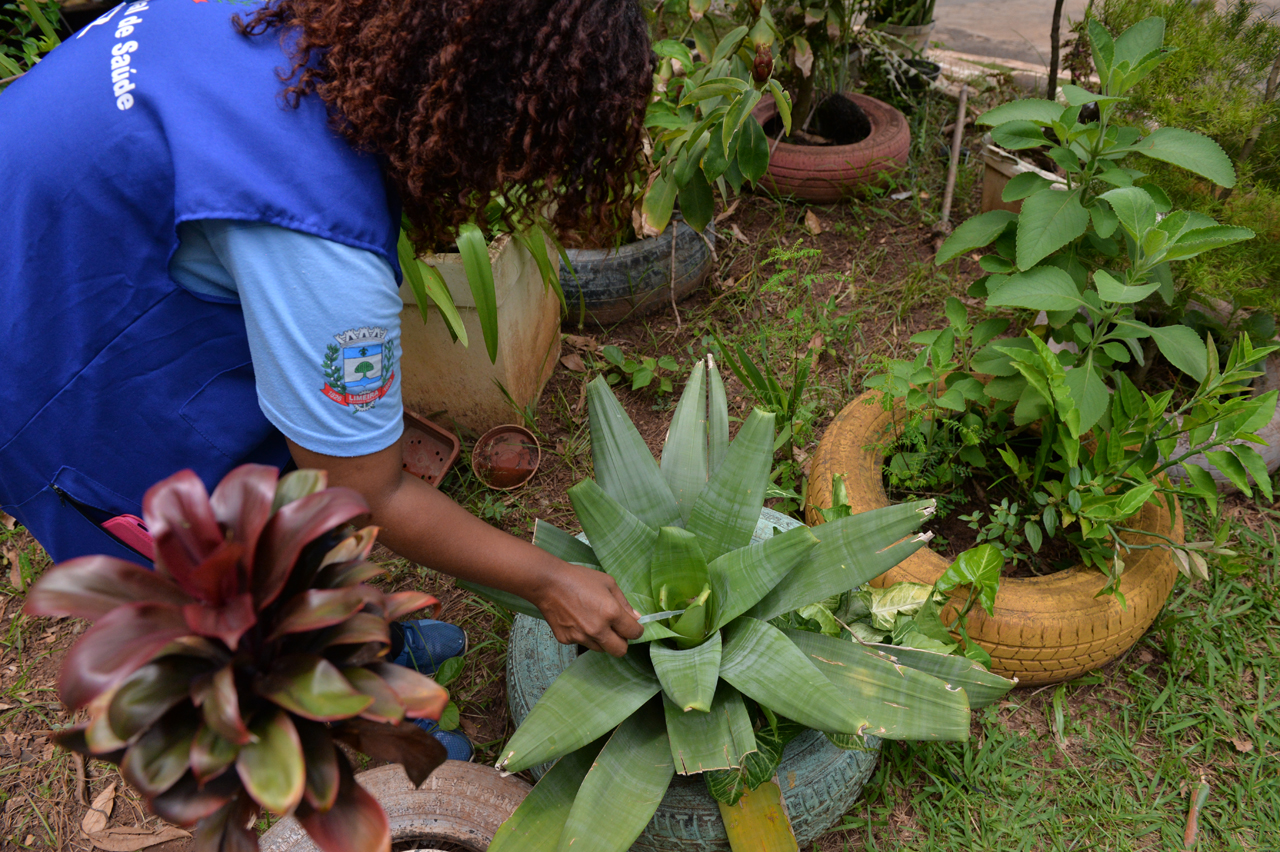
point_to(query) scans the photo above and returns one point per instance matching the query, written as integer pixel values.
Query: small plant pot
(635, 279)
(506, 457)
(923, 73)
(905, 41)
(827, 173)
(459, 806)
(1045, 629)
(428, 450)
(1000, 167)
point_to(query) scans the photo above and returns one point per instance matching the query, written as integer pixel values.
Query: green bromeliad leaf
(901, 703)
(982, 687)
(765, 665)
(538, 822)
(725, 513)
(692, 626)
(624, 466)
(559, 543)
(740, 578)
(678, 570)
(689, 677)
(719, 739)
(758, 767)
(587, 700)
(622, 542)
(717, 418)
(684, 455)
(849, 552)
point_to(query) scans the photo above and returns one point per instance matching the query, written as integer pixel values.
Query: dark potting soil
(429, 842)
(1056, 554)
(837, 121)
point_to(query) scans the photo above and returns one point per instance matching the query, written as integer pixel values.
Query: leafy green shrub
(221, 681)
(28, 30)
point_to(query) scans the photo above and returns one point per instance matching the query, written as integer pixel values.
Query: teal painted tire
(819, 781)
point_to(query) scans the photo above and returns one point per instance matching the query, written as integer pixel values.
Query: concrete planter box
(442, 376)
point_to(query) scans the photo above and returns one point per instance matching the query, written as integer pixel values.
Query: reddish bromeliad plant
(221, 681)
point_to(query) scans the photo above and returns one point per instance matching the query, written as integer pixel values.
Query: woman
(199, 206)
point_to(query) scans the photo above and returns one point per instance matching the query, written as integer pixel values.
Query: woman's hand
(586, 607)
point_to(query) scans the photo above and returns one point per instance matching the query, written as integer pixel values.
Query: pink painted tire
(834, 172)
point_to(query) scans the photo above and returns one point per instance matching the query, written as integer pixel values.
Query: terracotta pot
(829, 173)
(1045, 629)
(506, 457)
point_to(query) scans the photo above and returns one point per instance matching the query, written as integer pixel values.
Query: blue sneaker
(427, 643)
(456, 745)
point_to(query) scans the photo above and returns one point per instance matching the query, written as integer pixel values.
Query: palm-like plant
(716, 688)
(221, 681)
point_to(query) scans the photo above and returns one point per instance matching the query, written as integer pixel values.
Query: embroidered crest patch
(359, 369)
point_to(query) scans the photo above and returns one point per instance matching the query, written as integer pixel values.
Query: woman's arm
(418, 522)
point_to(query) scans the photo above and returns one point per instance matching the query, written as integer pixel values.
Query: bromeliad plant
(712, 687)
(221, 681)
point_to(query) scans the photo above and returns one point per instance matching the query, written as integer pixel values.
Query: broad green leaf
(313, 688)
(1135, 209)
(1139, 41)
(1045, 288)
(428, 285)
(718, 88)
(1204, 484)
(724, 515)
(727, 45)
(753, 150)
(765, 665)
(737, 115)
(1019, 135)
(678, 570)
(534, 241)
(1027, 109)
(900, 703)
(538, 822)
(160, 757)
(885, 605)
(1049, 220)
(684, 454)
(1191, 151)
(659, 201)
(587, 700)
(719, 739)
(783, 102)
(692, 625)
(622, 542)
(976, 232)
(1231, 468)
(740, 578)
(697, 202)
(1105, 220)
(211, 754)
(981, 686)
(827, 623)
(689, 677)
(1112, 290)
(1023, 184)
(1077, 96)
(714, 161)
(479, 269)
(759, 821)
(850, 552)
(1256, 466)
(1103, 49)
(1199, 240)
(624, 467)
(151, 691)
(978, 567)
(1183, 348)
(559, 543)
(271, 766)
(717, 418)
(622, 791)
(507, 600)
(1089, 393)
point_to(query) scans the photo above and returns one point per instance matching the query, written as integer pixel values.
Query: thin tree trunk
(1054, 49)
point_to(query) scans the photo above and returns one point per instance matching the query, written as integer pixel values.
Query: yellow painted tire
(1045, 629)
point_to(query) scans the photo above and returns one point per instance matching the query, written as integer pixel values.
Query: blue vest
(114, 377)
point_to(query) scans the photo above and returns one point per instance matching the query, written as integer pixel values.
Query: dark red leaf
(406, 744)
(211, 754)
(73, 739)
(313, 688)
(315, 609)
(345, 656)
(180, 519)
(356, 820)
(356, 630)
(386, 706)
(271, 767)
(227, 621)
(162, 754)
(322, 764)
(223, 575)
(92, 586)
(346, 574)
(188, 801)
(229, 829)
(196, 646)
(151, 691)
(242, 502)
(114, 648)
(421, 696)
(352, 549)
(221, 707)
(403, 603)
(291, 529)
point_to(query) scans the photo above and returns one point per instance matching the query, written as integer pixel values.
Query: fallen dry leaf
(469, 728)
(728, 211)
(99, 812)
(573, 361)
(15, 570)
(9, 521)
(1244, 745)
(582, 342)
(816, 341)
(737, 234)
(133, 839)
(812, 223)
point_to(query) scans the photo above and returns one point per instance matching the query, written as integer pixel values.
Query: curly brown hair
(538, 102)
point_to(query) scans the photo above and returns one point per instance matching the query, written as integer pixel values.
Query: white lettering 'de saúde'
(122, 68)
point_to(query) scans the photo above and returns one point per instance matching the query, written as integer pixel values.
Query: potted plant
(712, 688)
(907, 22)
(1076, 453)
(221, 681)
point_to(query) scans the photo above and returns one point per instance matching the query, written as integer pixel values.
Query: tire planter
(819, 782)
(635, 279)
(459, 805)
(1045, 629)
(829, 173)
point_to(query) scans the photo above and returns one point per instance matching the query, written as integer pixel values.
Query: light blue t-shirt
(323, 321)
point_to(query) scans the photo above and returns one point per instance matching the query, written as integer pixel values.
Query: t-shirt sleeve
(323, 321)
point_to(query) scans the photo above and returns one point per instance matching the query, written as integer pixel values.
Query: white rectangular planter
(442, 376)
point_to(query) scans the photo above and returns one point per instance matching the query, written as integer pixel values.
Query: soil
(836, 121)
